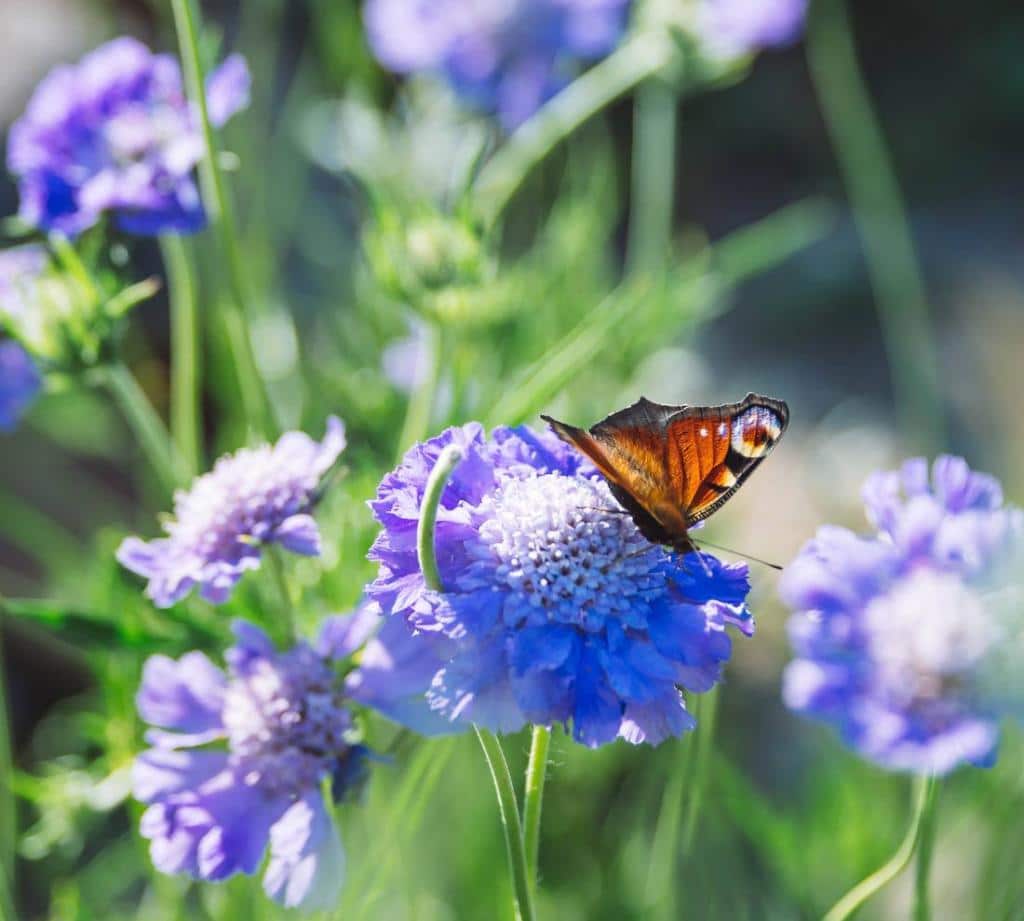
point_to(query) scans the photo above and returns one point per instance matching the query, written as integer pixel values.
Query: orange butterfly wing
(713, 449)
(672, 466)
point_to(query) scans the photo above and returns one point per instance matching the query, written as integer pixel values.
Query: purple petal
(307, 862)
(300, 534)
(157, 773)
(185, 695)
(340, 636)
(227, 89)
(653, 722)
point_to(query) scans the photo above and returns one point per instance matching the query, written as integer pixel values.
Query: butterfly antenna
(746, 556)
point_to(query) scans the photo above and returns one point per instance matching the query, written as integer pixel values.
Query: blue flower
(20, 379)
(238, 762)
(733, 27)
(115, 133)
(906, 640)
(254, 497)
(507, 57)
(555, 609)
(19, 384)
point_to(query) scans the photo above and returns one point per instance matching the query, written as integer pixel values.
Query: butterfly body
(671, 467)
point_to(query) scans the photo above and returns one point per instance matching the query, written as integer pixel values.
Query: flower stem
(509, 811)
(924, 804)
(631, 64)
(149, 429)
(925, 848)
(533, 798)
(660, 891)
(185, 370)
(218, 207)
(705, 711)
(514, 845)
(275, 564)
(881, 218)
(653, 176)
(436, 482)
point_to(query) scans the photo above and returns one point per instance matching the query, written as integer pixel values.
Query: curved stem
(436, 482)
(533, 798)
(924, 802)
(149, 429)
(218, 207)
(631, 64)
(509, 812)
(185, 387)
(881, 219)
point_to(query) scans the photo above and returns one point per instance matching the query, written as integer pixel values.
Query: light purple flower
(239, 760)
(733, 27)
(904, 639)
(254, 497)
(116, 134)
(555, 609)
(504, 56)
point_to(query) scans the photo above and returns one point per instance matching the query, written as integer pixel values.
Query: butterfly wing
(713, 449)
(672, 466)
(631, 450)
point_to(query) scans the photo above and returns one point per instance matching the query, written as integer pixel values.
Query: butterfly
(670, 467)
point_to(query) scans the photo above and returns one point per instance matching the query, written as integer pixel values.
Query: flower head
(555, 608)
(507, 57)
(115, 133)
(19, 384)
(254, 497)
(239, 759)
(902, 638)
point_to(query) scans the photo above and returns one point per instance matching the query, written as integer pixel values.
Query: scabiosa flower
(254, 497)
(239, 759)
(728, 28)
(115, 133)
(902, 638)
(19, 384)
(555, 608)
(507, 57)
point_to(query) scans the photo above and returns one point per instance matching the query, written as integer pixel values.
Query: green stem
(631, 64)
(881, 219)
(218, 207)
(705, 711)
(533, 798)
(653, 177)
(924, 803)
(185, 361)
(507, 807)
(514, 845)
(421, 402)
(149, 429)
(8, 816)
(436, 482)
(275, 565)
(925, 848)
(660, 891)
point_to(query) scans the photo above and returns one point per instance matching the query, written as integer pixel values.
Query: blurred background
(788, 308)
